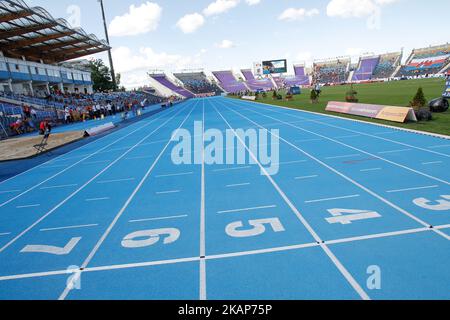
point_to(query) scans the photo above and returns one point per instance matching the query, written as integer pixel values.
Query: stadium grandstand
(229, 83)
(40, 76)
(365, 69)
(332, 71)
(198, 83)
(280, 82)
(256, 84)
(300, 78)
(167, 87)
(387, 65)
(426, 61)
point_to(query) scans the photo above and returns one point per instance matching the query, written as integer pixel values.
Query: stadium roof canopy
(36, 35)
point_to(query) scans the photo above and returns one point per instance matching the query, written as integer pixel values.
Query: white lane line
(346, 156)
(345, 273)
(349, 136)
(70, 158)
(306, 177)
(139, 157)
(432, 162)
(353, 148)
(336, 198)
(160, 218)
(290, 162)
(9, 191)
(412, 189)
(440, 146)
(308, 140)
(371, 169)
(394, 151)
(230, 169)
(378, 235)
(76, 163)
(5, 234)
(28, 206)
(174, 174)
(261, 251)
(383, 133)
(117, 180)
(222, 256)
(238, 185)
(369, 191)
(97, 162)
(59, 187)
(248, 209)
(127, 203)
(55, 166)
(168, 192)
(365, 152)
(202, 245)
(69, 227)
(141, 265)
(97, 199)
(153, 142)
(339, 120)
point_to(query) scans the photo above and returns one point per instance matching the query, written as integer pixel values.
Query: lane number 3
(438, 205)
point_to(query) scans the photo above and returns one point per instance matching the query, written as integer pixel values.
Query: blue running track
(356, 211)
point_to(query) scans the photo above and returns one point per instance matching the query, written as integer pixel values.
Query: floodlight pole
(113, 74)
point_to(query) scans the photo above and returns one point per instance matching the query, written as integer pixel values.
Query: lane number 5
(237, 230)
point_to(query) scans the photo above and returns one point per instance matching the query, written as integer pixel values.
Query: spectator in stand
(17, 126)
(109, 109)
(66, 115)
(26, 111)
(33, 114)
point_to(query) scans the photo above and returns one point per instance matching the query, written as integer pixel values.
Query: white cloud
(355, 8)
(225, 44)
(252, 2)
(125, 60)
(137, 20)
(370, 9)
(133, 67)
(191, 22)
(293, 14)
(220, 6)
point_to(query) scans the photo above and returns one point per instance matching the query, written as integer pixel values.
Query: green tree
(419, 100)
(101, 76)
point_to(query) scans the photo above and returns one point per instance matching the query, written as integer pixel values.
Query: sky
(175, 35)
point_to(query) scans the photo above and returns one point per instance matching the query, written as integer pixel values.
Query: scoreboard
(274, 66)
